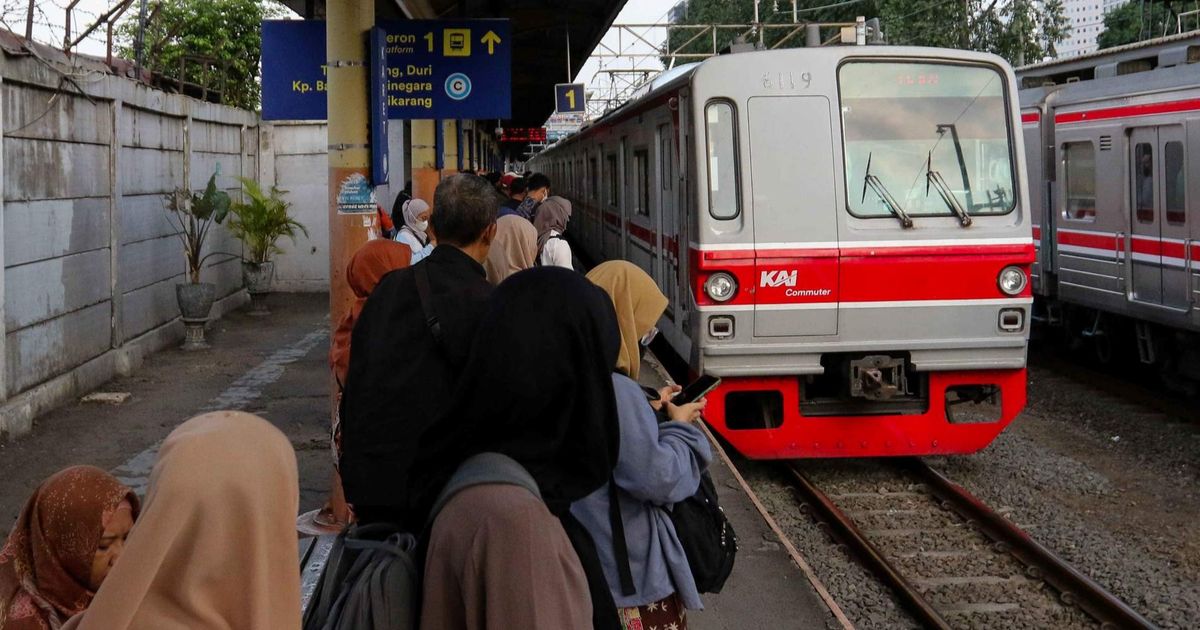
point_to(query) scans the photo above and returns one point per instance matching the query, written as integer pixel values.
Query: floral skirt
(666, 614)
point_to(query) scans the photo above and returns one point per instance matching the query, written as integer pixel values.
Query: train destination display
(435, 69)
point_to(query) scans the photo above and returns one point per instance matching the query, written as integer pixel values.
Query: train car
(1116, 214)
(843, 234)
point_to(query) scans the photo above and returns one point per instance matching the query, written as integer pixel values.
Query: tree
(1018, 30)
(1136, 21)
(219, 43)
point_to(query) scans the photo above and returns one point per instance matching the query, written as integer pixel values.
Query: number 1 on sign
(570, 99)
(429, 39)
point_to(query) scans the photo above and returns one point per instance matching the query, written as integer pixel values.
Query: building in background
(1087, 22)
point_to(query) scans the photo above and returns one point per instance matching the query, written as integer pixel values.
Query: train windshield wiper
(935, 179)
(884, 196)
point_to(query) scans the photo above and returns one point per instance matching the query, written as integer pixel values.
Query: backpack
(707, 536)
(373, 576)
(704, 531)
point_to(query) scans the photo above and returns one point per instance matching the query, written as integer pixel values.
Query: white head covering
(412, 209)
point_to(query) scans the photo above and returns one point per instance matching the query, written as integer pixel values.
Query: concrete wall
(90, 261)
(90, 258)
(294, 157)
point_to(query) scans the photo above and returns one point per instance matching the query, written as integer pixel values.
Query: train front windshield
(925, 139)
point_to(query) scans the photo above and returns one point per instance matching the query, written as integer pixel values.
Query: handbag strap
(425, 295)
(620, 547)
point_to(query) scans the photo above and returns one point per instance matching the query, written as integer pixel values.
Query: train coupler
(877, 377)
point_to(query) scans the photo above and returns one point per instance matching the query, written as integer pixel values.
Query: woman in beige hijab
(215, 545)
(513, 249)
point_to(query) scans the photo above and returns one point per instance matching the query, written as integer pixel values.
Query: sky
(50, 18)
(635, 12)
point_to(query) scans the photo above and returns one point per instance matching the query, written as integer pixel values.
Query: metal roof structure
(543, 31)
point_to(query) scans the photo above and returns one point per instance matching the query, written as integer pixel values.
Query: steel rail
(868, 554)
(1073, 586)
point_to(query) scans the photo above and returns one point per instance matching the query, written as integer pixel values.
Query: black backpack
(372, 579)
(707, 536)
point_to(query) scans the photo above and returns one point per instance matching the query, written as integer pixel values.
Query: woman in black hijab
(537, 388)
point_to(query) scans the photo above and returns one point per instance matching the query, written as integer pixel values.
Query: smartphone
(696, 390)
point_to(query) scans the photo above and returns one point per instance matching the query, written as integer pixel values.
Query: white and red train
(1113, 140)
(844, 235)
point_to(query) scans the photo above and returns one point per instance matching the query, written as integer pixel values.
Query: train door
(1146, 263)
(794, 216)
(666, 271)
(1158, 222)
(1174, 228)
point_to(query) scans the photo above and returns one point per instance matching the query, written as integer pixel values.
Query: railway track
(951, 560)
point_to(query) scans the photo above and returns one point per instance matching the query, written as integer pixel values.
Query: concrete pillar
(450, 148)
(4, 124)
(346, 22)
(425, 175)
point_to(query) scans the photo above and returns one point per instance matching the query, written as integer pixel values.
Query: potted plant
(259, 222)
(194, 214)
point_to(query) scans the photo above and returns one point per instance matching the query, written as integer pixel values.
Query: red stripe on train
(1128, 111)
(642, 234)
(1030, 118)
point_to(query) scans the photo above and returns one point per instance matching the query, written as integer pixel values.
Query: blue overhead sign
(435, 69)
(568, 98)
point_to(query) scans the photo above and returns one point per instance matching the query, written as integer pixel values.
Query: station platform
(277, 367)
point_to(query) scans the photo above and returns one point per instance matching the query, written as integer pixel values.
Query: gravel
(1094, 469)
(1106, 480)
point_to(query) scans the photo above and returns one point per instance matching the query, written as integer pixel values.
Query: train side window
(664, 139)
(611, 171)
(595, 176)
(723, 200)
(1175, 184)
(641, 182)
(1143, 182)
(1079, 160)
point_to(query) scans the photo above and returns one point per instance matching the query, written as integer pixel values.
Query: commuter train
(844, 235)
(1116, 220)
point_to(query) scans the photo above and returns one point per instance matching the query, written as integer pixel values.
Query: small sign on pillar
(569, 98)
(377, 54)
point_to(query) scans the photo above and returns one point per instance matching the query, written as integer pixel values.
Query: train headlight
(720, 286)
(1012, 280)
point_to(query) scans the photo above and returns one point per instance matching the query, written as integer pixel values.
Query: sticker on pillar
(355, 194)
(458, 86)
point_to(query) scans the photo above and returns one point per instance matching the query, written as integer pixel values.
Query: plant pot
(195, 304)
(258, 278)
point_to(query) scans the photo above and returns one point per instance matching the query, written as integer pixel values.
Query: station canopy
(541, 30)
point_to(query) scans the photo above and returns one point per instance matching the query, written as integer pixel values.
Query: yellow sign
(491, 39)
(456, 42)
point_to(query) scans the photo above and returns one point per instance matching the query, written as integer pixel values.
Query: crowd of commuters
(470, 335)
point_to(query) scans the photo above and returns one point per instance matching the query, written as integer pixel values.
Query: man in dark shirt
(402, 374)
(516, 194)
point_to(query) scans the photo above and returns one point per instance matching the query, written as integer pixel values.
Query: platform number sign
(568, 98)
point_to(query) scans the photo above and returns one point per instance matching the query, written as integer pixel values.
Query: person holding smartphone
(659, 464)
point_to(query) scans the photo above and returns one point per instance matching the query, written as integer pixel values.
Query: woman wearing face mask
(67, 538)
(658, 465)
(415, 233)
